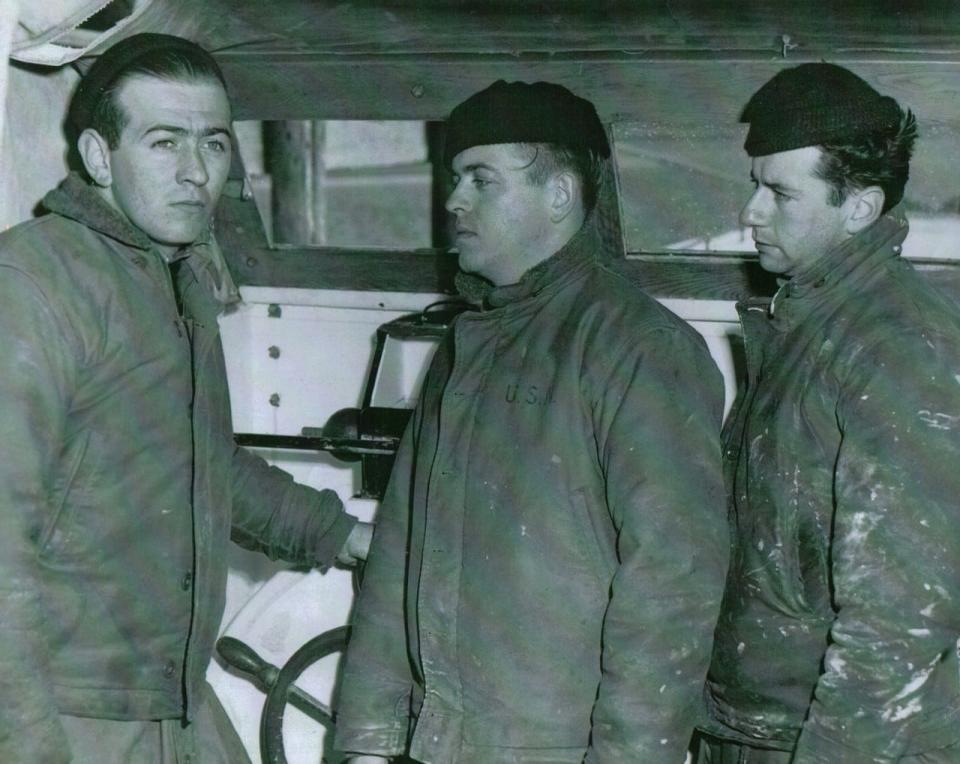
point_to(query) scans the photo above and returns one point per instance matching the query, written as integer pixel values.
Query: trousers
(208, 739)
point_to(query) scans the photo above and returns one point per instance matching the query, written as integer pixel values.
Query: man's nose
(457, 201)
(752, 213)
(191, 167)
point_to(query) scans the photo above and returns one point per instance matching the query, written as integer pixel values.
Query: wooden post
(294, 157)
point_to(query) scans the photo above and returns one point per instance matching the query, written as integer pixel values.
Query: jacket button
(186, 582)
(168, 668)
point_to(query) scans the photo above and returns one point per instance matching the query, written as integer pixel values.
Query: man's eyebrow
(781, 187)
(178, 130)
(775, 185)
(479, 166)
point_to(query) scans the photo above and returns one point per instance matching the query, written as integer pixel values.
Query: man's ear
(866, 207)
(564, 191)
(95, 153)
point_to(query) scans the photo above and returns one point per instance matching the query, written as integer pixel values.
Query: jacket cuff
(379, 741)
(334, 536)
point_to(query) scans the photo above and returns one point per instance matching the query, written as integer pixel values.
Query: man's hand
(356, 546)
(365, 759)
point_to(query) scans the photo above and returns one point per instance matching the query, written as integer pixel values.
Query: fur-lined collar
(75, 199)
(585, 244)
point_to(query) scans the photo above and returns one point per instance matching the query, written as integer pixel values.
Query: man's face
(501, 217)
(173, 157)
(790, 213)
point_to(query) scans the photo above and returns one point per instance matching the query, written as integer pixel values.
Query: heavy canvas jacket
(120, 484)
(841, 621)
(551, 540)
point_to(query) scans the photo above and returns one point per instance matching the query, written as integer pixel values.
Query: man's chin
(771, 262)
(465, 261)
(181, 237)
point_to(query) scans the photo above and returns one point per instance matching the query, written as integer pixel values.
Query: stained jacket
(840, 626)
(120, 485)
(552, 540)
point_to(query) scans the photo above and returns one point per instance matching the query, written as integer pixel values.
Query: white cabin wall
(324, 341)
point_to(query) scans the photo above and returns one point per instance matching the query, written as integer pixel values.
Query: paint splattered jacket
(840, 625)
(551, 541)
(120, 484)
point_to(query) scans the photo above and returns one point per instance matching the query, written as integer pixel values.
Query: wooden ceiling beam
(651, 90)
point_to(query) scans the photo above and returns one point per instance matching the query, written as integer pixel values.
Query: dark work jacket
(120, 484)
(548, 561)
(840, 626)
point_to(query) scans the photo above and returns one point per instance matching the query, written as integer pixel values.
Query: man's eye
(481, 182)
(218, 146)
(163, 143)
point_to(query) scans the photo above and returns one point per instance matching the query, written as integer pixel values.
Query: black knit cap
(520, 112)
(812, 104)
(114, 61)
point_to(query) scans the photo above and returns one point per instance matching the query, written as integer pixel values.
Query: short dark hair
(178, 64)
(879, 158)
(585, 164)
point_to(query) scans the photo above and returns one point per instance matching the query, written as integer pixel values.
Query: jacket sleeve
(658, 434)
(37, 369)
(374, 702)
(282, 518)
(890, 669)
(272, 513)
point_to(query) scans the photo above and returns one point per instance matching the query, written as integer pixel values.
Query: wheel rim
(271, 719)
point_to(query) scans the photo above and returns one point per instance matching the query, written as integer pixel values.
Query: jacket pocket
(65, 497)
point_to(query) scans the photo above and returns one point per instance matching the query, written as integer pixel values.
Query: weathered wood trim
(459, 26)
(653, 89)
(668, 274)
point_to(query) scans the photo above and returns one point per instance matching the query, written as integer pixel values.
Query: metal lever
(244, 658)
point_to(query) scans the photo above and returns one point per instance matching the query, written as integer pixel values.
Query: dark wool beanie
(518, 112)
(114, 61)
(813, 104)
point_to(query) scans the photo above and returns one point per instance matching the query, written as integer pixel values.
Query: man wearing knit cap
(547, 569)
(838, 637)
(120, 485)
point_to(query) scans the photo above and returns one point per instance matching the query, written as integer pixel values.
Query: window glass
(682, 189)
(341, 183)
(372, 184)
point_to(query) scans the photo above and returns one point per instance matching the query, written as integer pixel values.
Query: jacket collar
(846, 265)
(75, 199)
(583, 248)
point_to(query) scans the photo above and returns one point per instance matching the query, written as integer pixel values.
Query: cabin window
(366, 185)
(681, 189)
(342, 183)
